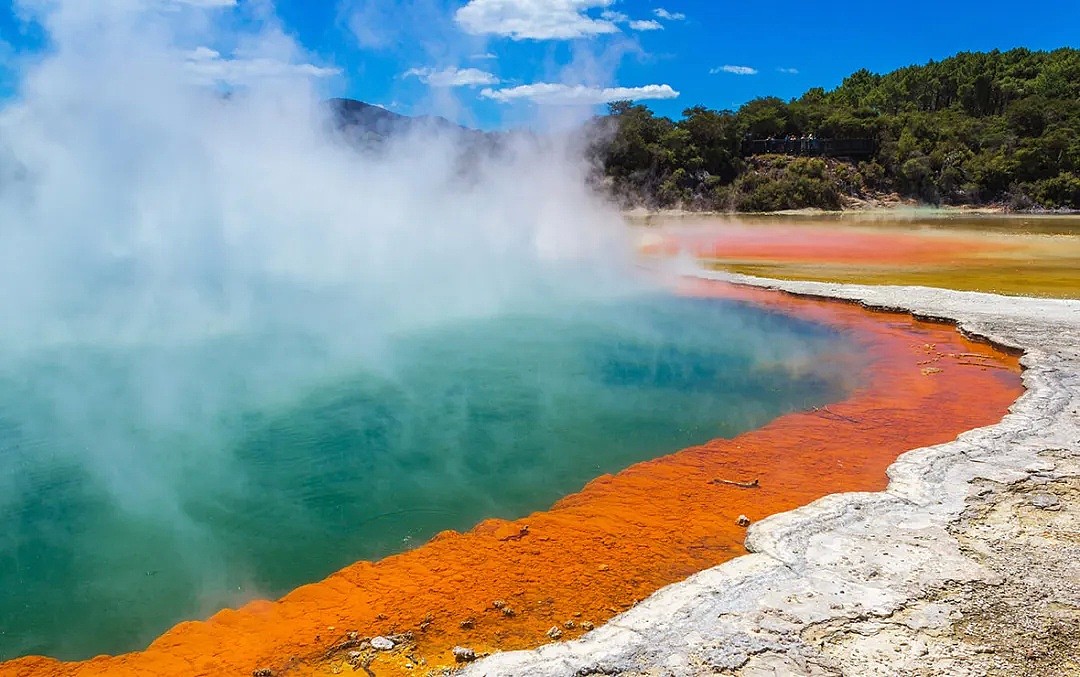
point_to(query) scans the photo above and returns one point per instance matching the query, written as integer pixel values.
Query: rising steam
(183, 234)
(137, 200)
(145, 201)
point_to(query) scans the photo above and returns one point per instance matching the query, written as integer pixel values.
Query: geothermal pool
(144, 484)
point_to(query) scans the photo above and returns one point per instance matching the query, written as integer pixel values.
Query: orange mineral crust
(822, 244)
(514, 585)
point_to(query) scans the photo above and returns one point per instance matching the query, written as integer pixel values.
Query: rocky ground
(968, 564)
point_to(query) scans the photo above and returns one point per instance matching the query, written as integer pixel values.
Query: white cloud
(203, 3)
(209, 66)
(734, 70)
(613, 17)
(395, 106)
(181, 5)
(452, 77)
(668, 16)
(483, 57)
(534, 19)
(789, 71)
(203, 54)
(634, 24)
(568, 95)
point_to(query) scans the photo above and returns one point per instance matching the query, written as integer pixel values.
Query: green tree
(974, 127)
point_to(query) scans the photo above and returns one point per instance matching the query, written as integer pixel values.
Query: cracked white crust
(925, 577)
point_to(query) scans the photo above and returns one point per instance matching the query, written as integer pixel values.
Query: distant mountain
(367, 122)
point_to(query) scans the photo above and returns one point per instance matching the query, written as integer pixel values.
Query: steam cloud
(157, 198)
(150, 204)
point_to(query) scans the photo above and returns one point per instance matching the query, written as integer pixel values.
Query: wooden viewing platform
(853, 148)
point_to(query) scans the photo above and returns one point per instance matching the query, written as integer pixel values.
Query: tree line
(976, 128)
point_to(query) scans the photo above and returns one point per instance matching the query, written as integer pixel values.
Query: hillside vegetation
(977, 128)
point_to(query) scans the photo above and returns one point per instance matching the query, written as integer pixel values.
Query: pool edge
(828, 565)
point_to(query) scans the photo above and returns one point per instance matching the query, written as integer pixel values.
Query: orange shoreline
(594, 554)
(824, 245)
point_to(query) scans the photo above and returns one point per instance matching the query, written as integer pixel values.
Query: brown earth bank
(553, 575)
(879, 204)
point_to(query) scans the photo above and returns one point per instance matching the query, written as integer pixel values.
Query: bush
(873, 175)
(1060, 192)
(778, 182)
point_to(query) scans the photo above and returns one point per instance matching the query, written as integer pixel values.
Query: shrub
(1060, 192)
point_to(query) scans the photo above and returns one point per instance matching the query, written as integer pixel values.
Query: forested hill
(977, 128)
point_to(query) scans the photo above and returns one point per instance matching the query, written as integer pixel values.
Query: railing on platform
(813, 147)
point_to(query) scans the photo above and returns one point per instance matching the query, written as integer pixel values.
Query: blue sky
(493, 63)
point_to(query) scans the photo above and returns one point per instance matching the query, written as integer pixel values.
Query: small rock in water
(463, 654)
(587, 625)
(554, 632)
(382, 643)
(1045, 501)
(743, 521)
(468, 624)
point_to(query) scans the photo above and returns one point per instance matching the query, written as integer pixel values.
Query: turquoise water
(146, 484)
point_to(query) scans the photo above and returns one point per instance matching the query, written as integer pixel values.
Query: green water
(141, 485)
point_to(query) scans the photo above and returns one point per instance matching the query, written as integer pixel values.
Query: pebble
(743, 521)
(554, 632)
(382, 643)
(463, 654)
(1045, 501)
